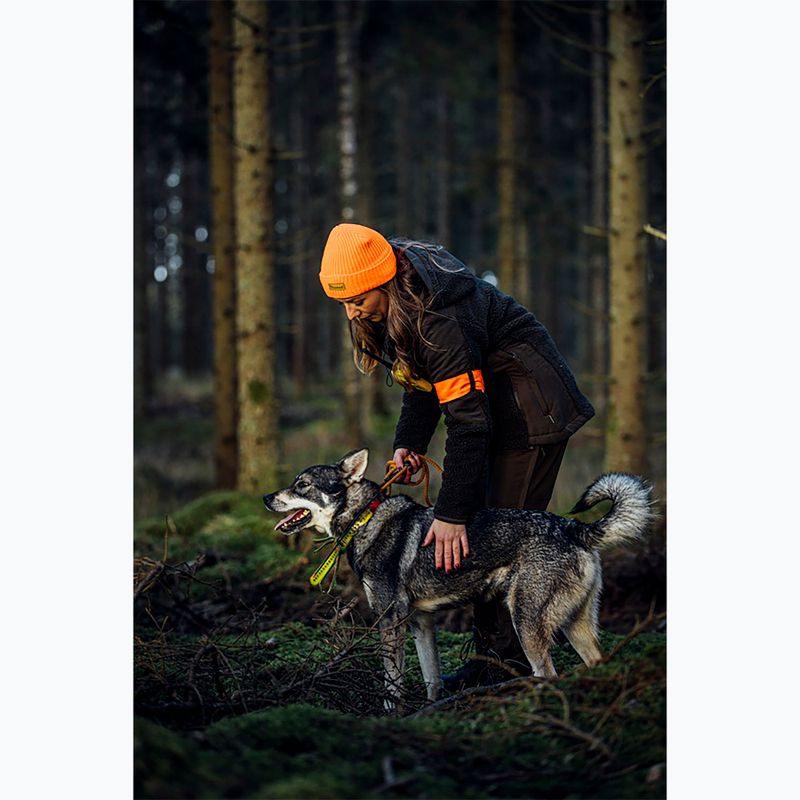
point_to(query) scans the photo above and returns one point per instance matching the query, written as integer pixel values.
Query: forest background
(371, 112)
(529, 139)
(96, 363)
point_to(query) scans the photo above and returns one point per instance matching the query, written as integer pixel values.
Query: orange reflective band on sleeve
(453, 388)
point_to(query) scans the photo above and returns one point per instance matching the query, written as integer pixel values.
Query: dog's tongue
(290, 518)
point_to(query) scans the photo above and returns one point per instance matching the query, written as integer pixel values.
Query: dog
(546, 567)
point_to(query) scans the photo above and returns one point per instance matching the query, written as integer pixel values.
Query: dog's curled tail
(630, 514)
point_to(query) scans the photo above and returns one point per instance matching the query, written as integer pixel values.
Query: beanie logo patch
(336, 286)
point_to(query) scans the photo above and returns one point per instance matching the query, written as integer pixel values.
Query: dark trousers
(524, 478)
(517, 479)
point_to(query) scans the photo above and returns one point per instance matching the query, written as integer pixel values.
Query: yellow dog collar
(342, 542)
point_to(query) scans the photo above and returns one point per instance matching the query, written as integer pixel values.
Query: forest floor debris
(247, 683)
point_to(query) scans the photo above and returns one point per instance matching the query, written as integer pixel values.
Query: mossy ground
(272, 721)
(598, 734)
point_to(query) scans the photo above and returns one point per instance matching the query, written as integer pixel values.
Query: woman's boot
(498, 653)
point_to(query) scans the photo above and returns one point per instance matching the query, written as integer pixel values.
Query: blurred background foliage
(427, 167)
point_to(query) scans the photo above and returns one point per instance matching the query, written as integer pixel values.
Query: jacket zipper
(536, 386)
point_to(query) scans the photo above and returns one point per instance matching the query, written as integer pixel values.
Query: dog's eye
(302, 485)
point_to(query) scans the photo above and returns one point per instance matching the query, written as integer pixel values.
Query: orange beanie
(356, 259)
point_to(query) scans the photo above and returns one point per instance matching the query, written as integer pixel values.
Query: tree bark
(523, 256)
(193, 269)
(300, 203)
(347, 77)
(522, 227)
(626, 441)
(372, 399)
(175, 305)
(402, 164)
(255, 281)
(505, 155)
(142, 276)
(546, 274)
(445, 146)
(598, 280)
(223, 244)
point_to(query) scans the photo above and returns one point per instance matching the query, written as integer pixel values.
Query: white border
(67, 400)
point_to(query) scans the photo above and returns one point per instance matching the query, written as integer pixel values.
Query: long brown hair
(409, 299)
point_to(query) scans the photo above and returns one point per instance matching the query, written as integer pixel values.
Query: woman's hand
(400, 456)
(451, 542)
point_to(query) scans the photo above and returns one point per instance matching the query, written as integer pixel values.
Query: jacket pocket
(539, 392)
(509, 426)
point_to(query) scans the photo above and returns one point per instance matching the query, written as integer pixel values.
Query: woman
(509, 400)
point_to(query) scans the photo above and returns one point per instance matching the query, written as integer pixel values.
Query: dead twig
(655, 232)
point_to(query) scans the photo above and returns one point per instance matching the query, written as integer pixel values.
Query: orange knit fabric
(355, 260)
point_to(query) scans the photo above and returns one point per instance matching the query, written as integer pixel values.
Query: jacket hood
(448, 279)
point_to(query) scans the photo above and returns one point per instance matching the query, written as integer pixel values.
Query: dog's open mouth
(294, 521)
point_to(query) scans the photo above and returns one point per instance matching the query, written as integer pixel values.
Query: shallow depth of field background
(237, 659)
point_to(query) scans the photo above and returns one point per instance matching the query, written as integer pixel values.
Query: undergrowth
(597, 734)
(249, 684)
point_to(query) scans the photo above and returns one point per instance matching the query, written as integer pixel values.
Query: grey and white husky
(546, 567)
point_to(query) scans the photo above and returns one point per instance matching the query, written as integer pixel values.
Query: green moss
(232, 526)
(286, 729)
(509, 744)
(257, 391)
(300, 644)
(164, 759)
(188, 520)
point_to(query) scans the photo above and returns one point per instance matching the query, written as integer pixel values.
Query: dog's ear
(354, 465)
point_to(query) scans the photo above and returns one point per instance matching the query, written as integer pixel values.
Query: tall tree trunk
(522, 227)
(402, 165)
(142, 276)
(300, 202)
(223, 243)
(476, 233)
(599, 259)
(626, 443)
(582, 322)
(255, 280)
(372, 399)
(523, 257)
(195, 277)
(347, 77)
(176, 307)
(546, 274)
(316, 217)
(162, 356)
(505, 155)
(444, 146)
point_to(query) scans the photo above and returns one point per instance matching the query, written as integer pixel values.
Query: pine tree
(506, 160)
(255, 279)
(598, 269)
(223, 243)
(626, 434)
(347, 77)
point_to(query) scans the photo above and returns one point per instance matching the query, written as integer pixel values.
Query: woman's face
(372, 305)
